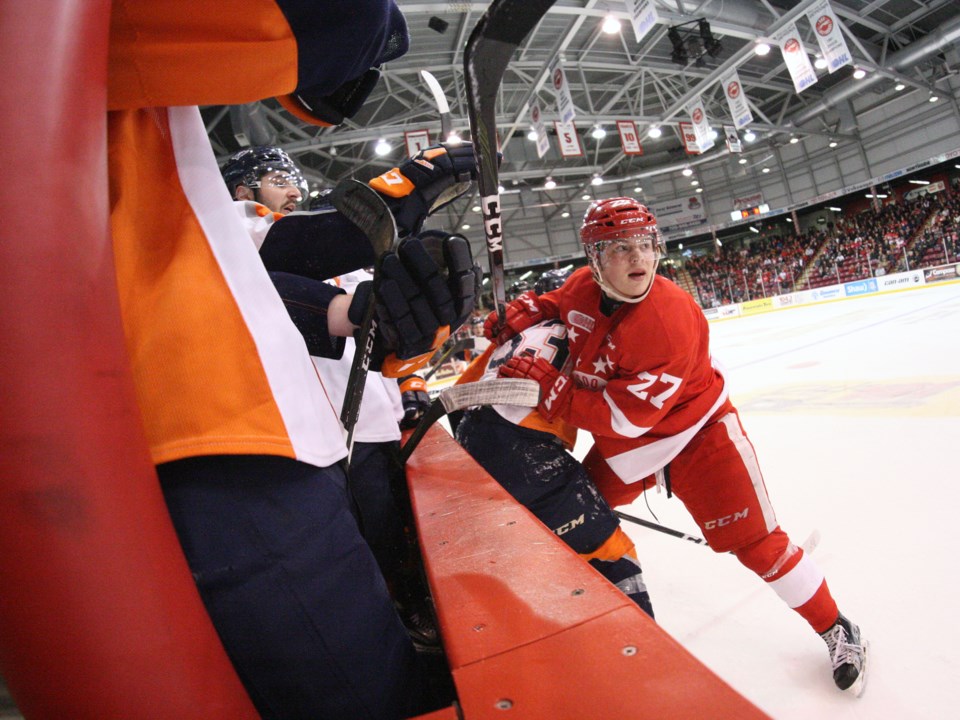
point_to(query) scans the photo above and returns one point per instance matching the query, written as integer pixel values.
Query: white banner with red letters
(795, 56)
(829, 35)
(629, 137)
(416, 140)
(568, 139)
(689, 138)
(736, 99)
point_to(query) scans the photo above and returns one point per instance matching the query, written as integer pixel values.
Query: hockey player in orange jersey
(644, 384)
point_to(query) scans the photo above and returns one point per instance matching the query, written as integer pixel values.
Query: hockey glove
(419, 301)
(555, 387)
(520, 314)
(423, 184)
(415, 398)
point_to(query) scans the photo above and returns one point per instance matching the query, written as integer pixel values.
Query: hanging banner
(681, 213)
(701, 127)
(564, 100)
(689, 138)
(629, 138)
(543, 142)
(643, 16)
(568, 139)
(795, 56)
(733, 139)
(416, 140)
(736, 99)
(829, 35)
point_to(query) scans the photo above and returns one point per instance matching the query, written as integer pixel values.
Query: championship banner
(733, 140)
(629, 138)
(558, 78)
(795, 56)
(689, 138)
(416, 141)
(643, 16)
(736, 99)
(829, 35)
(701, 127)
(543, 142)
(568, 139)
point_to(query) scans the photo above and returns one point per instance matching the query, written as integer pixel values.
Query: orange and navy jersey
(547, 340)
(218, 365)
(644, 379)
(229, 52)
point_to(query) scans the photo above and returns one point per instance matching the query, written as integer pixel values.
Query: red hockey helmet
(619, 218)
(614, 219)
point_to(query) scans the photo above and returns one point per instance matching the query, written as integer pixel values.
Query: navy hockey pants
(291, 587)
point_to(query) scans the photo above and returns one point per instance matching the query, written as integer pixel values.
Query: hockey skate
(848, 655)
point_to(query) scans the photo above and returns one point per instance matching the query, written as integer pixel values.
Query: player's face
(628, 265)
(279, 192)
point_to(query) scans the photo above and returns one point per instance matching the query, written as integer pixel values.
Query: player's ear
(243, 193)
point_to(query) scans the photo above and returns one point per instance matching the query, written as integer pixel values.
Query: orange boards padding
(528, 626)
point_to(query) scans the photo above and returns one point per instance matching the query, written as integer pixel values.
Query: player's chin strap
(499, 391)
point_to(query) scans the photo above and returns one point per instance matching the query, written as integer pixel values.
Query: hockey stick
(809, 545)
(441, 100)
(492, 43)
(507, 391)
(452, 350)
(660, 528)
(360, 203)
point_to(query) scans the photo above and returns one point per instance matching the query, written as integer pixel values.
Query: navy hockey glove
(520, 314)
(427, 288)
(555, 387)
(423, 184)
(415, 399)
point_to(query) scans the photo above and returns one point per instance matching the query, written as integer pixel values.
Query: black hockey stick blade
(506, 391)
(493, 41)
(363, 206)
(659, 528)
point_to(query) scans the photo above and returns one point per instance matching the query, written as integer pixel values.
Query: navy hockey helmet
(550, 280)
(246, 167)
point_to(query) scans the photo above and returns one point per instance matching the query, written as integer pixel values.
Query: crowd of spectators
(903, 234)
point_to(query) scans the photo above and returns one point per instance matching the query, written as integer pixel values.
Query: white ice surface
(854, 410)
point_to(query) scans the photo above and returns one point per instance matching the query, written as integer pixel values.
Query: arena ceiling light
(899, 86)
(597, 180)
(454, 138)
(611, 26)
(549, 184)
(598, 133)
(749, 136)
(654, 131)
(820, 63)
(761, 48)
(382, 147)
(532, 135)
(859, 74)
(686, 172)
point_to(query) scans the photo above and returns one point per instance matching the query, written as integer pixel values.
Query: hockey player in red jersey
(527, 455)
(644, 384)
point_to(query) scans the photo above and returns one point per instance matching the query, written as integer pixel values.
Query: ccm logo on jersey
(568, 526)
(726, 520)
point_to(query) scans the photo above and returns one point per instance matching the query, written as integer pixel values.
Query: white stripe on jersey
(309, 418)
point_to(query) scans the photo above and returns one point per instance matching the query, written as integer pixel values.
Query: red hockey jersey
(644, 380)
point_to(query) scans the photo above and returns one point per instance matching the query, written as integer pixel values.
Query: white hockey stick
(501, 391)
